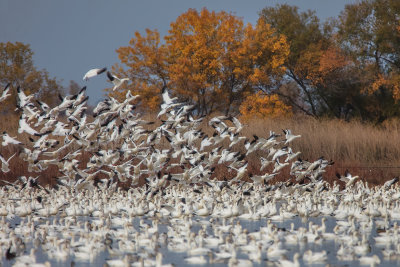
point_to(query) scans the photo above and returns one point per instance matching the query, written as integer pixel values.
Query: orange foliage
(390, 82)
(322, 65)
(215, 59)
(210, 59)
(194, 45)
(146, 59)
(260, 105)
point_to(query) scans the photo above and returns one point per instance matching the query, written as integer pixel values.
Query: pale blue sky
(72, 36)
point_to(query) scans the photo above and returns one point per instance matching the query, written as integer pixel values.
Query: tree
(209, 59)
(310, 46)
(147, 67)
(73, 88)
(216, 60)
(17, 68)
(368, 30)
(261, 105)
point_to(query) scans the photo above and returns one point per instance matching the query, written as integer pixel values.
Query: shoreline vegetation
(335, 83)
(369, 151)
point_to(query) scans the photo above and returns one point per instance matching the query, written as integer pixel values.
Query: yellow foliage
(260, 105)
(322, 65)
(209, 58)
(146, 59)
(390, 82)
(215, 59)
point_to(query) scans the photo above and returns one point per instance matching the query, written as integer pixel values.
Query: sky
(70, 37)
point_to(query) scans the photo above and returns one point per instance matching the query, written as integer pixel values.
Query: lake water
(115, 233)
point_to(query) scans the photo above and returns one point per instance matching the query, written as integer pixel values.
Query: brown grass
(372, 152)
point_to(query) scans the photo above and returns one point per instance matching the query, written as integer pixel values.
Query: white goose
(5, 93)
(93, 72)
(288, 263)
(289, 136)
(116, 81)
(5, 163)
(9, 140)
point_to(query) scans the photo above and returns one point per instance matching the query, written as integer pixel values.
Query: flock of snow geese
(176, 208)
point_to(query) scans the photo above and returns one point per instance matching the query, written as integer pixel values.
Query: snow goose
(234, 261)
(24, 126)
(389, 183)
(262, 179)
(235, 138)
(116, 81)
(291, 155)
(5, 163)
(280, 152)
(279, 166)
(238, 125)
(347, 178)
(239, 172)
(287, 263)
(93, 72)
(264, 163)
(316, 257)
(289, 136)
(276, 250)
(363, 247)
(9, 140)
(253, 145)
(196, 260)
(5, 93)
(370, 260)
(22, 99)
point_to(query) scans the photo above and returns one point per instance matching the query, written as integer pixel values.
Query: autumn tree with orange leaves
(261, 105)
(18, 69)
(210, 59)
(146, 62)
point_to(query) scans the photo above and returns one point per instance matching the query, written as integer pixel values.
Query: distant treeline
(289, 63)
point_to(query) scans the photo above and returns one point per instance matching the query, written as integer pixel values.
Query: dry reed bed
(372, 152)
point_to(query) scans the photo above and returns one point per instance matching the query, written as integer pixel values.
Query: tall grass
(370, 151)
(351, 142)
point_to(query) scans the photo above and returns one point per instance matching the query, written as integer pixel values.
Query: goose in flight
(166, 98)
(347, 178)
(5, 163)
(22, 99)
(279, 166)
(389, 183)
(116, 81)
(24, 126)
(289, 136)
(93, 72)
(262, 179)
(264, 163)
(5, 93)
(9, 140)
(167, 102)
